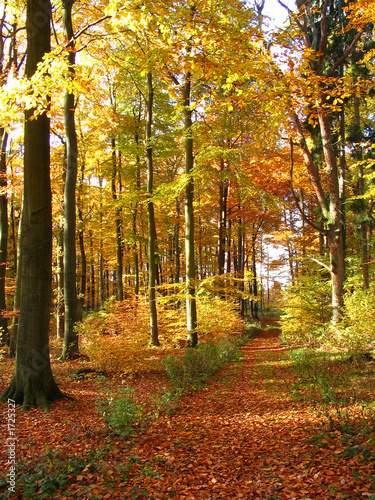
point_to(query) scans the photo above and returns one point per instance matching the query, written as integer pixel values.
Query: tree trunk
(241, 264)
(3, 234)
(137, 120)
(81, 240)
(17, 294)
(70, 348)
(33, 383)
(223, 193)
(120, 272)
(254, 276)
(361, 189)
(60, 286)
(335, 221)
(177, 260)
(191, 307)
(154, 340)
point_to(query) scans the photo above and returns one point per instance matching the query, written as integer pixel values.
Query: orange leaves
(243, 437)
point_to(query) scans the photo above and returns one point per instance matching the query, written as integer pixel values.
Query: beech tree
(323, 77)
(33, 383)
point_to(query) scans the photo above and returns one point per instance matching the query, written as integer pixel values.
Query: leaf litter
(241, 436)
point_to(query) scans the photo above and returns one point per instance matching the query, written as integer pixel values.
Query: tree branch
(320, 263)
(345, 55)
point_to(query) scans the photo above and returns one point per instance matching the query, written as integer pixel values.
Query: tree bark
(17, 293)
(60, 326)
(70, 348)
(33, 383)
(361, 189)
(154, 340)
(223, 194)
(191, 307)
(3, 234)
(81, 240)
(118, 223)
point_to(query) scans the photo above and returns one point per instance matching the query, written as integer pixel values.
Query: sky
(276, 12)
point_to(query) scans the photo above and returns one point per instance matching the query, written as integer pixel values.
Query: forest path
(241, 437)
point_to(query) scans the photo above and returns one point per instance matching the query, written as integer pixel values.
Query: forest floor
(245, 435)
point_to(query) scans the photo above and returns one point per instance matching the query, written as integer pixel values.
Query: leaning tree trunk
(33, 383)
(191, 306)
(70, 348)
(154, 340)
(3, 233)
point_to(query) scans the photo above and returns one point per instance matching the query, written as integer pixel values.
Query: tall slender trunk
(223, 195)
(191, 306)
(60, 324)
(81, 240)
(177, 242)
(154, 340)
(254, 302)
(137, 120)
(3, 234)
(101, 257)
(118, 222)
(70, 348)
(361, 189)
(17, 294)
(241, 263)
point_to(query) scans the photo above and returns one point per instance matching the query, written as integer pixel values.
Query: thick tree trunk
(154, 340)
(70, 348)
(191, 307)
(332, 211)
(335, 224)
(3, 234)
(33, 383)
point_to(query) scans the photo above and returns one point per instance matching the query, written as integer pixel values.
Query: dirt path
(241, 438)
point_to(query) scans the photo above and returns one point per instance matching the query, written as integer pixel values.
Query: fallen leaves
(243, 437)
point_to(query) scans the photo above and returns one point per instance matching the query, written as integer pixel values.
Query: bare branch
(345, 55)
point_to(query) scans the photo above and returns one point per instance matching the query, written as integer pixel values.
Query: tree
(70, 348)
(33, 383)
(151, 218)
(320, 75)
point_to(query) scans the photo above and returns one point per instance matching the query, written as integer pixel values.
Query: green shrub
(252, 328)
(356, 332)
(197, 365)
(123, 414)
(306, 309)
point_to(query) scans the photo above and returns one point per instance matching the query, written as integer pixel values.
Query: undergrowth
(197, 365)
(330, 378)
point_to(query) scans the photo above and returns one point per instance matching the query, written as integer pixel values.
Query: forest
(186, 249)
